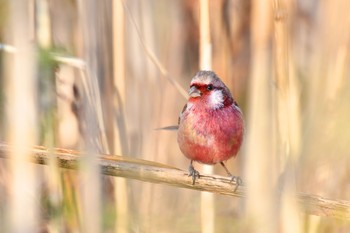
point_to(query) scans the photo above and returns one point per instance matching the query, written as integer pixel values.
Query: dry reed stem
(43, 34)
(260, 164)
(287, 116)
(120, 145)
(94, 132)
(153, 172)
(205, 63)
(68, 60)
(8, 48)
(151, 54)
(21, 122)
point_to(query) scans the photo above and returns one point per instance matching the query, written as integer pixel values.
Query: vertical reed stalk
(205, 63)
(48, 109)
(21, 109)
(94, 134)
(120, 144)
(287, 116)
(259, 164)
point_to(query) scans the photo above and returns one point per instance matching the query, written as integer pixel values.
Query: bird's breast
(210, 136)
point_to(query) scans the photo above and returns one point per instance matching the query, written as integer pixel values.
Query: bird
(211, 124)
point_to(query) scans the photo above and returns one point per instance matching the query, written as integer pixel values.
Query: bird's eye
(210, 87)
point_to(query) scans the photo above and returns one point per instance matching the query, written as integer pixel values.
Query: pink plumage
(211, 126)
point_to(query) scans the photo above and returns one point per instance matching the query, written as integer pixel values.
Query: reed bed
(96, 78)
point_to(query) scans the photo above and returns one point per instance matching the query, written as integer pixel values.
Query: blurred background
(101, 76)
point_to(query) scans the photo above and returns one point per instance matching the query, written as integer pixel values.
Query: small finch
(211, 125)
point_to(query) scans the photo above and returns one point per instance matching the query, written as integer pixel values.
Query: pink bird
(211, 125)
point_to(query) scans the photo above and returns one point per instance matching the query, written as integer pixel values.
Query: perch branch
(132, 168)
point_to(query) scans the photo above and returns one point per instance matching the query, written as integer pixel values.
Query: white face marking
(216, 99)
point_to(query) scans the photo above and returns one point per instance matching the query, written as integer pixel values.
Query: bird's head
(208, 90)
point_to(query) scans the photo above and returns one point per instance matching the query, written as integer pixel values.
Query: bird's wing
(183, 109)
(170, 128)
(174, 127)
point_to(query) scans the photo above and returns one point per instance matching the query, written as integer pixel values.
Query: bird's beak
(194, 92)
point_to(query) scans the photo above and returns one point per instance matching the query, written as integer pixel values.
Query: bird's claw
(194, 173)
(238, 181)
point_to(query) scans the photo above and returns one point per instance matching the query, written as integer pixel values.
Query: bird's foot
(237, 180)
(194, 173)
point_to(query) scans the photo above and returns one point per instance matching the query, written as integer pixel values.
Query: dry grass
(286, 62)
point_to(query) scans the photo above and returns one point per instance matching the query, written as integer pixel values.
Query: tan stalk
(120, 144)
(260, 171)
(287, 116)
(22, 119)
(205, 63)
(94, 138)
(44, 40)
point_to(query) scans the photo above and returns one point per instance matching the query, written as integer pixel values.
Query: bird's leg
(193, 172)
(237, 179)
